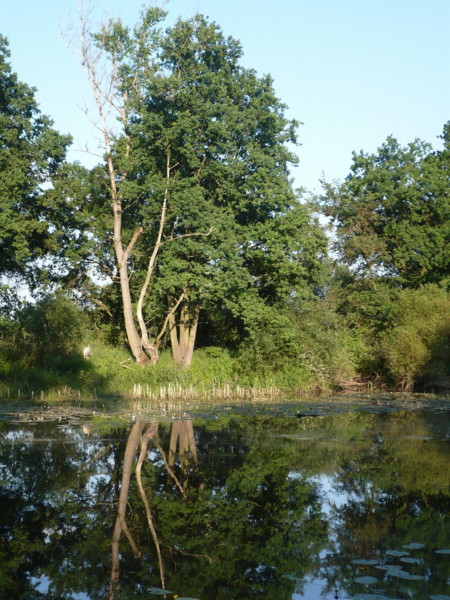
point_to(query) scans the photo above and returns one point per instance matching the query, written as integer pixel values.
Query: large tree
(392, 212)
(31, 157)
(227, 135)
(203, 209)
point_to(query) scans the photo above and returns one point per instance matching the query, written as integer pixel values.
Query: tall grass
(110, 372)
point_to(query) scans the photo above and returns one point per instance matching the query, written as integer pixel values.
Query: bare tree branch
(186, 235)
(152, 261)
(136, 235)
(169, 314)
(97, 302)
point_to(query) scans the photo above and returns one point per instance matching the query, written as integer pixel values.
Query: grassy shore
(110, 372)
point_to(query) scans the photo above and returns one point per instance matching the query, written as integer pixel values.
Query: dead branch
(152, 261)
(98, 302)
(136, 235)
(168, 317)
(172, 549)
(97, 456)
(186, 235)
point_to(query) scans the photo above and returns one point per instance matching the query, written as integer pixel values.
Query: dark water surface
(332, 499)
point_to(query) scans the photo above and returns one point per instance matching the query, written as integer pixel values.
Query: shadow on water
(328, 499)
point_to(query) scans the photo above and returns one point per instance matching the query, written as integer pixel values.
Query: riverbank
(109, 372)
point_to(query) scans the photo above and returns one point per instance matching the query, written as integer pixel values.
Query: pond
(337, 498)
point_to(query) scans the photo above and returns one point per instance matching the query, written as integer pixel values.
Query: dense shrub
(417, 348)
(307, 345)
(51, 331)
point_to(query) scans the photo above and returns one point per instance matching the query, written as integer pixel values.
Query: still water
(331, 499)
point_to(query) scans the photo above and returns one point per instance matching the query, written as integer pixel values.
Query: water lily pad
(439, 597)
(404, 575)
(413, 546)
(158, 591)
(410, 560)
(366, 580)
(394, 570)
(396, 553)
(364, 561)
(387, 567)
(444, 551)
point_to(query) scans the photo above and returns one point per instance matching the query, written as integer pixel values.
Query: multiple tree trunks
(182, 438)
(183, 332)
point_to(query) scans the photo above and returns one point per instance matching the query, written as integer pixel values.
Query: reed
(174, 391)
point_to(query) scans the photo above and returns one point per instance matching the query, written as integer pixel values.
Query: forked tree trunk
(102, 64)
(183, 332)
(110, 98)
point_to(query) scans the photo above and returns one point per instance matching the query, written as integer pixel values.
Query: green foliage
(51, 330)
(212, 367)
(392, 212)
(417, 348)
(271, 355)
(403, 333)
(31, 152)
(331, 349)
(365, 304)
(307, 345)
(41, 349)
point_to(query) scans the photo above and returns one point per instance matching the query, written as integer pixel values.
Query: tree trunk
(133, 337)
(183, 333)
(182, 438)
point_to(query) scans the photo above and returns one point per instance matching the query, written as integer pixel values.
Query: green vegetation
(190, 234)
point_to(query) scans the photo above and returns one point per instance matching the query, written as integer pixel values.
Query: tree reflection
(219, 509)
(397, 493)
(242, 533)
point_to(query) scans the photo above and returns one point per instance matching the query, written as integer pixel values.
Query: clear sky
(352, 71)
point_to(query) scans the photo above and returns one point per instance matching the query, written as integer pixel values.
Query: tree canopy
(204, 213)
(31, 154)
(392, 212)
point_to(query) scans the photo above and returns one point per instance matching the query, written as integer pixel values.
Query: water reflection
(352, 504)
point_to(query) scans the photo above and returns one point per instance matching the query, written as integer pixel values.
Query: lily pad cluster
(393, 565)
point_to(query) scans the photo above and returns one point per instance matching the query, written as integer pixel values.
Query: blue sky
(352, 71)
